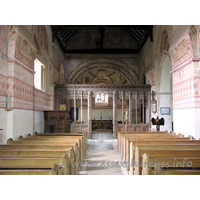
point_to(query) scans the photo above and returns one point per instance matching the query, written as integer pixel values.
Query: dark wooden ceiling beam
(136, 34)
(139, 32)
(102, 51)
(135, 38)
(76, 27)
(69, 33)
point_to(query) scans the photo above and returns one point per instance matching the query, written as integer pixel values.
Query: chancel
(63, 87)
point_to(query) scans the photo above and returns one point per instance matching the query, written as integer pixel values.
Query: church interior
(99, 93)
(134, 72)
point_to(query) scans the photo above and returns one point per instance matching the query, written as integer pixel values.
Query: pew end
(9, 141)
(55, 170)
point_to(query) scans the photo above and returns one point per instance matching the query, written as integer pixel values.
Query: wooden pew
(35, 163)
(126, 144)
(79, 139)
(161, 145)
(54, 147)
(142, 137)
(42, 154)
(155, 138)
(123, 136)
(186, 153)
(52, 140)
(83, 138)
(154, 165)
(120, 135)
(71, 143)
(55, 170)
(178, 172)
(84, 135)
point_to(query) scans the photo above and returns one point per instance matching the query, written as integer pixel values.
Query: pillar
(114, 115)
(81, 107)
(143, 114)
(123, 108)
(149, 106)
(74, 107)
(130, 108)
(136, 101)
(89, 115)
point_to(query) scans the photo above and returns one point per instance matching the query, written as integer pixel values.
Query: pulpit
(56, 121)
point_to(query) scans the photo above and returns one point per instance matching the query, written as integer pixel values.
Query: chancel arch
(108, 70)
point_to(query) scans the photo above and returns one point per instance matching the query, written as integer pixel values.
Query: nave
(132, 153)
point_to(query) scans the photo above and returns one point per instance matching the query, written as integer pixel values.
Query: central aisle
(102, 156)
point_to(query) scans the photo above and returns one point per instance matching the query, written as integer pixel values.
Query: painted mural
(102, 76)
(24, 52)
(42, 100)
(117, 38)
(3, 39)
(181, 53)
(85, 38)
(3, 44)
(91, 39)
(40, 38)
(3, 85)
(199, 41)
(121, 74)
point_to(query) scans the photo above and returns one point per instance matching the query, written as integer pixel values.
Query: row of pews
(159, 153)
(44, 154)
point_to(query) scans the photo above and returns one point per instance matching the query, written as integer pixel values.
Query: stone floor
(102, 156)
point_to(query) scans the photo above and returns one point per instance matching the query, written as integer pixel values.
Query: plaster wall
(3, 125)
(38, 124)
(19, 46)
(22, 123)
(184, 122)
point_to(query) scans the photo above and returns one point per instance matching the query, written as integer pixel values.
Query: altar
(102, 124)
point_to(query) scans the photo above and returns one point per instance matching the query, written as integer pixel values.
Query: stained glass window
(101, 98)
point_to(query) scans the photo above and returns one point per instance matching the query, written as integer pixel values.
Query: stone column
(89, 115)
(114, 115)
(130, 108)
(74, 107)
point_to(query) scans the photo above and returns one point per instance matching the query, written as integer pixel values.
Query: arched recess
(164, 92)
(103, 65)
(61, 74)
